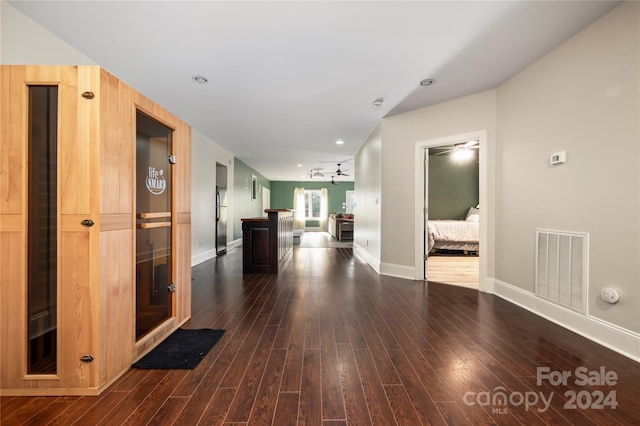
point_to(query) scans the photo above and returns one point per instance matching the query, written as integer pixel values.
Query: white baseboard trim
(210, 254)
(203, 257)
(372, 261)
(487, 285)
(614, 337)
(399, 271)
(234, 244)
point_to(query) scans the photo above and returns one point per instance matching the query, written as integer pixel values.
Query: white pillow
(473, 215)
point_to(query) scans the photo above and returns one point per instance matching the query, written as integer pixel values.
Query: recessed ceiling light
(299, 165)
(377, 103)
(339, 142)
(200, 79)
(427, 82)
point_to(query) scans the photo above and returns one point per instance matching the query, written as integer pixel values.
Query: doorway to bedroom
(450, 201)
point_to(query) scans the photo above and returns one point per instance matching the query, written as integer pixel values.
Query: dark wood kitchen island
(267, 242)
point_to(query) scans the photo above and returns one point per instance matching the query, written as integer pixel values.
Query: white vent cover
(561, 268)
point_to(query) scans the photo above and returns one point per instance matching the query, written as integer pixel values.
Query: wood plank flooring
(321, 239)
(454, 269)
(328, 342)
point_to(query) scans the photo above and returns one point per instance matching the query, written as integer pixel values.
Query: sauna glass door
(153, 224)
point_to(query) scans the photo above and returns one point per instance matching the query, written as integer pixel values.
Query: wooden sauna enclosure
(95, 228)
(267, 242)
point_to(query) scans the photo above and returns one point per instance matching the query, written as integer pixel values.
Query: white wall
(204, 155)
(368, 195)
(400, 134)
(583, 97)
(25, 42)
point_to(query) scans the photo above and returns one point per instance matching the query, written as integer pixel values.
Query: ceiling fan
(460, 147)
(341, 172)
(333, 182)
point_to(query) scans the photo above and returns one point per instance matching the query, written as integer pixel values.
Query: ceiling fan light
(462, 154)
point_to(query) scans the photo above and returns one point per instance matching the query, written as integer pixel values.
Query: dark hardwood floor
(329, 342)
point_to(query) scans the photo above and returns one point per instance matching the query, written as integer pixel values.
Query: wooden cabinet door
(75, 252)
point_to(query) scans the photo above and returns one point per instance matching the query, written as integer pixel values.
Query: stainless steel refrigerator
(221, 220)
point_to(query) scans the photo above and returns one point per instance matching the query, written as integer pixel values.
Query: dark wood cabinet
(267, 242)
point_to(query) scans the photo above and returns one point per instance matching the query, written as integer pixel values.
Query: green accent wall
(282, 195)
(244, 206)
(453, 188)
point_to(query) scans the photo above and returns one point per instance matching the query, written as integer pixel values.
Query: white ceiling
(288, 79)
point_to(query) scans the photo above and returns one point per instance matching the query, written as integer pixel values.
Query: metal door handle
(88, 223)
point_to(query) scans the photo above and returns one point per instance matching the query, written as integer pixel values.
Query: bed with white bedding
(453, 234)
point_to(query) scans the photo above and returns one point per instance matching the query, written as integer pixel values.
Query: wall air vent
(562, 268)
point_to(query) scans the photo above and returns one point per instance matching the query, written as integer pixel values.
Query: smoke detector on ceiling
(200, 79)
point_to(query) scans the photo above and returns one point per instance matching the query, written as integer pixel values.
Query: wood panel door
(69, 318)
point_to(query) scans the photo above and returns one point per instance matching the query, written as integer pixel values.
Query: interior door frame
(421, 203)
(425, 212)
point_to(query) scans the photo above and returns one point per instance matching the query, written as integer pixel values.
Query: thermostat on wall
(558, 157)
